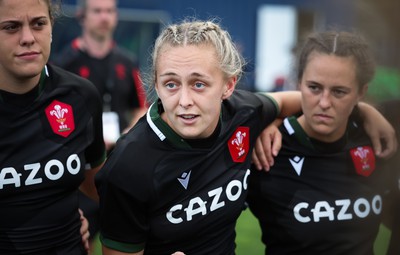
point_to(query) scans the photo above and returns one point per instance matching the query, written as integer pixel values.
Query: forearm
(380, 131)
(289, 102)
(88, 186)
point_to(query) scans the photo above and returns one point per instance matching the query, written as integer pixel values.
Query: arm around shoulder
(289, 102)
(380, 131)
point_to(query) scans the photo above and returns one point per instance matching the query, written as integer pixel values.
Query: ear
(229, 87)
(80, 15)
(363, 92)
(156, 89)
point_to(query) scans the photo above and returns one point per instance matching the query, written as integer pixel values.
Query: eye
(170, 85)
(314, 88)
(339, 92)
(12, 27)
(39, 25)
(199, 85)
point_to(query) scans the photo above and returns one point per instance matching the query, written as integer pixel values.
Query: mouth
(188, 116)
(28, 56)
(323, 117)
(25, 54)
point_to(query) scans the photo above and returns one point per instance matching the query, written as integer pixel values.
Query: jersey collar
(161, 129)
(40, 85)
(293, 127)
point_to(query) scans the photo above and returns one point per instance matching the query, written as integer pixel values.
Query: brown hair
(54, 8)
(341, 44)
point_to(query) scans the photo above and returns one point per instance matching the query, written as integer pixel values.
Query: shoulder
(124, 55)
(247, 98)
(65, 79)
(134, 158)
(67, 55)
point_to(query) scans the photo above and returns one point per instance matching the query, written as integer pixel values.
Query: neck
(327, 137)
(18, 85)
(97, 48)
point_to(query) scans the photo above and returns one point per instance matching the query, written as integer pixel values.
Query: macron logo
(297, 164)
(184, 179)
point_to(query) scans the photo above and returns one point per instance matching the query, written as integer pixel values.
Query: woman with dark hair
(50, 137)
(325, 193)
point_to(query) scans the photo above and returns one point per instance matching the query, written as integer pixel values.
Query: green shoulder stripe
(118, 246)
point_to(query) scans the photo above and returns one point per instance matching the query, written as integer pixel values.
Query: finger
(86, 245)
(85, 240)
(267, 147)
(84, 226)
(255, 160)
(262, 154)
(276, 144)
(376, 144)
(390, 148)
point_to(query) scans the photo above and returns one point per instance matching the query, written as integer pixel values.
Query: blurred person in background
(51, 138)
(95, 56)
(115, 72)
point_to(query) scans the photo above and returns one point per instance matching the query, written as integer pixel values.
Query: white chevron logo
(297, 164)
(184, 179)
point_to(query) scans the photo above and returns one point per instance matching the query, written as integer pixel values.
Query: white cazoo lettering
(197, 205)
(53, 170)
(322, 209)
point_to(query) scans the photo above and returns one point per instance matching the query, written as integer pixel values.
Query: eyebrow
(195, 74)
(17, 21)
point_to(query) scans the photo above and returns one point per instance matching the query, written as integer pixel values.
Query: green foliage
(385, 85)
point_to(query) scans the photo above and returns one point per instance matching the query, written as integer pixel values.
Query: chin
(190, 136)
(322, 133)
(30, 74)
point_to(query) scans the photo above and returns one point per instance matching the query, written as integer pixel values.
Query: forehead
(317, 59)
(18, 9)
(328, 68)
(100, 3)
(194, 55)
(188, 61)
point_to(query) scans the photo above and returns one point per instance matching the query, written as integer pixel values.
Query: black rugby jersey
(391, 110)
(159, 193)
(319, 198)
(45, 147)
(116, 76)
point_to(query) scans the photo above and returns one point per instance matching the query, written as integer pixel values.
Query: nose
(185, 99)
(27, 37)
(106, 14)
(325, 100)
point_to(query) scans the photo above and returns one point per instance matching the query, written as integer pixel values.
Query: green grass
(248, 237)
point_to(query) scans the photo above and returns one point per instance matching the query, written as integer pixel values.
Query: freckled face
(329, 93)
(191, 86)
(25, 38)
